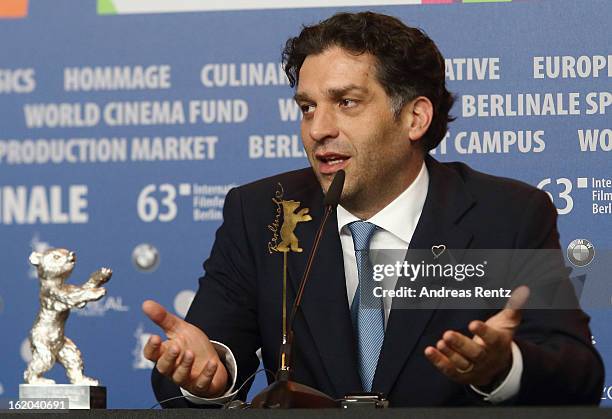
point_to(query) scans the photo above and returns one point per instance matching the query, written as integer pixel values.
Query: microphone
(332, 197)
(284, 393)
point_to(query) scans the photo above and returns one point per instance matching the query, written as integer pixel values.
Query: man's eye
(307, 108)
(348, 103)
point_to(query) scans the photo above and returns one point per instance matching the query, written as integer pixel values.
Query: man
(374, 102)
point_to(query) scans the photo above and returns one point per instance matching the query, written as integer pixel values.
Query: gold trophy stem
(284, 360)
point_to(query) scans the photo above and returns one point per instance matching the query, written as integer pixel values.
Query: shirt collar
(401, 216)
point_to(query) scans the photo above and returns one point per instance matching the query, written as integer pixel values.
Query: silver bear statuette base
(73, 396)
(47, 339)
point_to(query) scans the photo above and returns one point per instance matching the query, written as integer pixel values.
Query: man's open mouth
(331, 162)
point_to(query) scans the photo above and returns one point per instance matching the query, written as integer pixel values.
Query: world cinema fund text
(121, 149)
(128, 113)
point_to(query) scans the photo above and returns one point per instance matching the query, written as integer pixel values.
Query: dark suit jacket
(239, 299)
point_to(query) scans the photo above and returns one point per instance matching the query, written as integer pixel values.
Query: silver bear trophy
(47, 339)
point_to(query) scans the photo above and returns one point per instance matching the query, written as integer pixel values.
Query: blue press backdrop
(64, 34)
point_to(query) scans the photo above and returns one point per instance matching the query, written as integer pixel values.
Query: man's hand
(484, 360)
(187, 357)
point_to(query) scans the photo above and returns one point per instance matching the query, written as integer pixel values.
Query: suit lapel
(447, 201)
(325, 305)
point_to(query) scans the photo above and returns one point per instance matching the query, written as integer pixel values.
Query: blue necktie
(366, 309)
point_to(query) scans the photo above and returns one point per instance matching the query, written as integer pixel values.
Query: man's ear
(35, 258)
(418, 115)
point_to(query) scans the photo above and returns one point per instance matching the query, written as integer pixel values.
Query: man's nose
(324, 125)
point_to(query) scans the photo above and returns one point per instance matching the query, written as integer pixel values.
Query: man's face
(348, 123)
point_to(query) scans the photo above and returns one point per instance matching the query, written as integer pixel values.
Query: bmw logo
(145, 257)
(580, 252)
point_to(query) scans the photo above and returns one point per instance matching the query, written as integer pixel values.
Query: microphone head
(335, 190)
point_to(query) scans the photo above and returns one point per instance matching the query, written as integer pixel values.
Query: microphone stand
(284, 393)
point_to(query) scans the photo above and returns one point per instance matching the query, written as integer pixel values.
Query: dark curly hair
(409, 64)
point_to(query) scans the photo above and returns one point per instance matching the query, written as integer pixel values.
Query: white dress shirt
(396, 225)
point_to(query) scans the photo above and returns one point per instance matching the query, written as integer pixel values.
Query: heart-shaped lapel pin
(438, 250)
